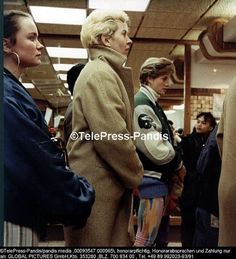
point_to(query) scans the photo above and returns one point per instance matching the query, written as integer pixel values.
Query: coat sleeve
(155, 146)
(152, 143)
(108, 117)
(37, 170)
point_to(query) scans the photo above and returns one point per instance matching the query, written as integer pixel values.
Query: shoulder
(141, 99)
(188, 140)
(95, 70)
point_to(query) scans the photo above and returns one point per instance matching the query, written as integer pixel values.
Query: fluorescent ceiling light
(28, 85)
(66, 85)
(58, 15)
(169, 112)
(63, 76)
(77, 53)
(126, 5)
(62, 67)
(178, 107)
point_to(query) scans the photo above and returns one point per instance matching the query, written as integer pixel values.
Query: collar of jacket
(113, 57)
(150, 93)
(117, 62)
(7, 73)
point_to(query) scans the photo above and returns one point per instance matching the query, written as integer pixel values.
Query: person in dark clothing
(207, 212)
(38, 189)
(191, 146)
(72, 76)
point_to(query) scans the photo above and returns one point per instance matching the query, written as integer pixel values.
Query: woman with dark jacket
(191, 147)
(38, 187)
(207, 212)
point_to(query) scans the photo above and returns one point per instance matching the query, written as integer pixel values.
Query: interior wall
(211, 74)
(206, 74)
(177, 117)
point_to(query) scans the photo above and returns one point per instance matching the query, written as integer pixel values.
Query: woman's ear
(105, 40)
(149, 80)
(6, 45)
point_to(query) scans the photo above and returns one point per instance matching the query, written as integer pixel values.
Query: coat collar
(117, 63)
(7, 73)
(150, 93)
(113, 57)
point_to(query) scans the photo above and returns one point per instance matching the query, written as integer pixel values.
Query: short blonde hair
(101, 22)
(155, 67)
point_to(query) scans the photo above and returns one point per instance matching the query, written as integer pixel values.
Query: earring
(17, 57)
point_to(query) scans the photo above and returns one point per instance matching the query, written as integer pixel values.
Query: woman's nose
(129, 41)
(39, 45)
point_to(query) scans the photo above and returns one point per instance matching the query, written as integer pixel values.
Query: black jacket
(208, 174)
(38, 187)
(191, 147)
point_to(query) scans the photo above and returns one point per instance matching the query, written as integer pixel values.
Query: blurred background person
(103, 103)
(72, 76)
(227, 184)
(159, 158)
(37, 187)
(207, 212)
(192, 145)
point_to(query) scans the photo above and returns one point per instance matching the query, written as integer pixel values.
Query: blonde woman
(103, 109)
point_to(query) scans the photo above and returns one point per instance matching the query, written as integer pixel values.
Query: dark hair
(208, 117)
(155, 67)
(11, 23)
(72, 75)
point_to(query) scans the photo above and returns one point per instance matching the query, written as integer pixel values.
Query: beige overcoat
(103, 102)
(226, 137)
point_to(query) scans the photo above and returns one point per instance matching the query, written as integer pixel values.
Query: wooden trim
(134, 39)
(187, 89)
(205, 52)
(215, 35)
(205, 91)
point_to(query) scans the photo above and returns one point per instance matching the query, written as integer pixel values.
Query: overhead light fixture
(178, 107)
(125, 5)
(58, 15)
(170, 112)
(62, 67)
(76, 53)
(63, 77)
(28, 85)
(66, 85)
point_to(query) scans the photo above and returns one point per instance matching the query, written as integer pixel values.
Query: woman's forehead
(27, 25)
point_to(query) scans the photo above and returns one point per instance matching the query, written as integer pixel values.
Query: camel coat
(226, 137)
(103, 102)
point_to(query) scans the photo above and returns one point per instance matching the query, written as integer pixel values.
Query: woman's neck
(13, 68)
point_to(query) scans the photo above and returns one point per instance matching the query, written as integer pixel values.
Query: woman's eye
(33, 38)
